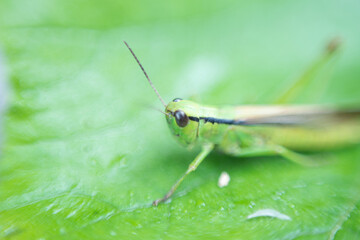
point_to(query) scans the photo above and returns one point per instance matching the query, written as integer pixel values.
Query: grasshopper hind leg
(313, 160)
(294, 156)
(277, 150)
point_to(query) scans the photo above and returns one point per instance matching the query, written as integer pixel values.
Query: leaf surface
(84, 156)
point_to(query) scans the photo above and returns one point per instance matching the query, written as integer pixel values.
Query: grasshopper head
(180, 115)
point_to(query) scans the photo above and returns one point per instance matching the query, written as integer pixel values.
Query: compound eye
(181, 118)
(177, 100)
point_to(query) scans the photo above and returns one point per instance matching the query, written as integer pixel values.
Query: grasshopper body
(240, 130)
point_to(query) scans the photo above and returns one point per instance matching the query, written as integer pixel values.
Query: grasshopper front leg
(206, 149)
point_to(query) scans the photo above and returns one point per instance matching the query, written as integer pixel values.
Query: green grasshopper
(261, 130)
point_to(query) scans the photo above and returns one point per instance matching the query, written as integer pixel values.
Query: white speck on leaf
(56, 211)
(224, 179)
(202, 205)
(269, 213)
(109, 214)
(49, 207)
(71, 214)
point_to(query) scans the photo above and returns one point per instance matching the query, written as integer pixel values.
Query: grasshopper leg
(276, 150)
(305, 160)
(300, 84)
(206, 149)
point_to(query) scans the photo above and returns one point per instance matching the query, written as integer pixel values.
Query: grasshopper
(261, 130)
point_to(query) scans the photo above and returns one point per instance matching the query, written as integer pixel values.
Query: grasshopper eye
(177, 100)
(181, 118)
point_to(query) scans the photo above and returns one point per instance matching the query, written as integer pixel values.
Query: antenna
(151, 84)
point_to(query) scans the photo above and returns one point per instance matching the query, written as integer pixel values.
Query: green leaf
(84, 156)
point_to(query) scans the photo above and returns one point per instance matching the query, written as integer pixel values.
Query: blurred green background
(84, 156)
